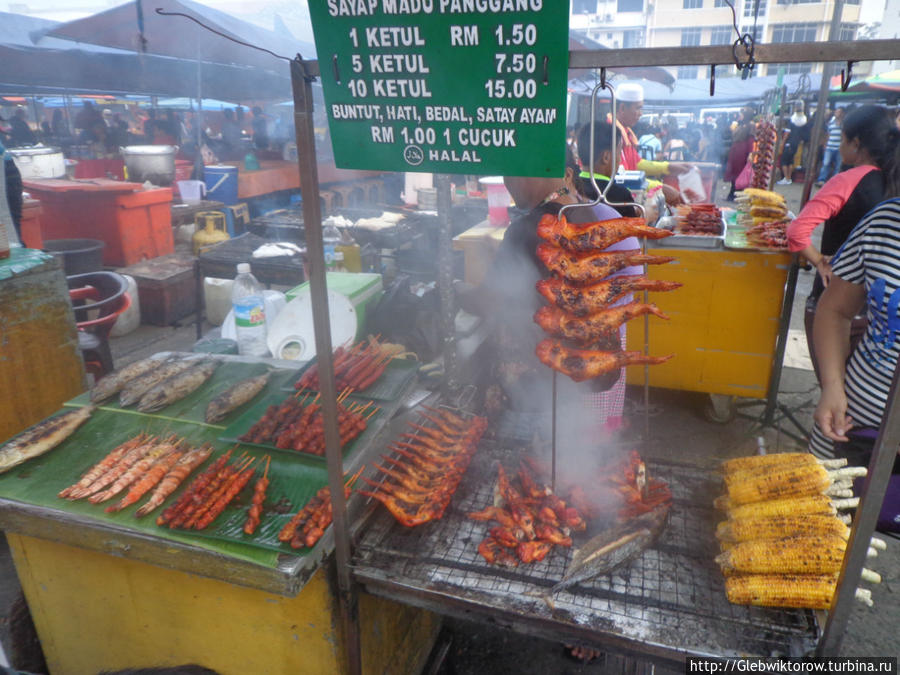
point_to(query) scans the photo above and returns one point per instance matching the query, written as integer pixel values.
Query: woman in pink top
(847, 197)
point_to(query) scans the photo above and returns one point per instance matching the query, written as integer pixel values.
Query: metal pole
(445, 285)
(301, 84)
(553, 438)
(821, 103)
(864, 522)
(784, 324)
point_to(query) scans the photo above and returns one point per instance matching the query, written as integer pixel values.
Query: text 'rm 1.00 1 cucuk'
(449, 86)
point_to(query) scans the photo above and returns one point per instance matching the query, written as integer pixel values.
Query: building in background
(623, 24)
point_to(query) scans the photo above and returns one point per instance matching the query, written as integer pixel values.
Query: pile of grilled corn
(760, 206)
(783, 542)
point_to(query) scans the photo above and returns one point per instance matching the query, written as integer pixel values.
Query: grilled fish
(177, 387)
(42, 437)
(114, 382)
(614, 547)
(135, 390)
(235, 396)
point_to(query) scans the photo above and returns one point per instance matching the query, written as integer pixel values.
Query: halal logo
(413, 155)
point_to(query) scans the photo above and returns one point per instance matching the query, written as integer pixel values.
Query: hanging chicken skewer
(594, 236)
(594, 326)
(584, 364)
(583, 300)
(586, 267)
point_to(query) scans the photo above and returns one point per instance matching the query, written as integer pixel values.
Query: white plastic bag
(690, 184)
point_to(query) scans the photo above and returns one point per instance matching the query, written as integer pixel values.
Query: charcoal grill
(666, 605)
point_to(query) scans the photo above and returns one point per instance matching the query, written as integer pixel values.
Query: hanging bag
(745, 177)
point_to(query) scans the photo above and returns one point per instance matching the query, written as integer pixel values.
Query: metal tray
(688, 240)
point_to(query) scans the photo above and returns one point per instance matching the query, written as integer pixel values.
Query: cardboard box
(166, 288)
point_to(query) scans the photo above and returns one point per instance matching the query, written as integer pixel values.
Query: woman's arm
(839, 303)
(822, 263)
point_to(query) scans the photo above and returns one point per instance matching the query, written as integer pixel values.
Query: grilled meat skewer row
(583, 268)
(594, 236)
(583, 300)
(589, 328)
(583, 364)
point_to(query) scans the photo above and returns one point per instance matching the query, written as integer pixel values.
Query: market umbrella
(137, 26)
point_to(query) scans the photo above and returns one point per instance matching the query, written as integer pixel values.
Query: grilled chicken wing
(594, 236)
(583, 300)
(584, 364)
(585, 267)
(593, 326)
(533, 551)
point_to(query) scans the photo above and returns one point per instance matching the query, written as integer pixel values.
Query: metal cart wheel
(719, 408)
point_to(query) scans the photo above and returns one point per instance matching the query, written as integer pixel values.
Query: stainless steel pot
(39, 162)
(154, 163)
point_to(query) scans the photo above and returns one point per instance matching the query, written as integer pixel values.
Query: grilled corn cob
(757, 463)
(796, 555)
(799, 591)
(796, 591)
(779, 527)
(778, 482)
(791, 506)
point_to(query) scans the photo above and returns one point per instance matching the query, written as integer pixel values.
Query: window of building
(848, 32)
(690, 37)
(720, 3)
(687, 72)
(794, 32)
(630, 5)
(790, 68)
(721, 35)
(750, 8)
(584, 6)
(692, 4)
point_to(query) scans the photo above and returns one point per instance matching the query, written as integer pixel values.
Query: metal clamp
(845, 79)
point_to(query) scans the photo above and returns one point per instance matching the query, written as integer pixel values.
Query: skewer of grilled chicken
(584, 364)
(594, 236)
(582, 300)
(593, 326)
(585, 267)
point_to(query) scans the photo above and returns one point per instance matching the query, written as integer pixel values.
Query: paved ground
(679, 427)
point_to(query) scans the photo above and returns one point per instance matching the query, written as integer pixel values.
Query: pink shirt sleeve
(827, 202)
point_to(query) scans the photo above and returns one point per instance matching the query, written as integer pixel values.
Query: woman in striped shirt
(831, 158)
(866, 274)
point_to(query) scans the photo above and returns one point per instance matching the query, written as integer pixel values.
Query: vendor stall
(198, 580)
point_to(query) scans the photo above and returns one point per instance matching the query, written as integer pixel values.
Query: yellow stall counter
(95, 612)
(723, 325)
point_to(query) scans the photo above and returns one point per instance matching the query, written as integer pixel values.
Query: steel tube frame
(301, 83)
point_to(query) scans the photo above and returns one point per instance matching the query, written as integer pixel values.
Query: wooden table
(276, 175)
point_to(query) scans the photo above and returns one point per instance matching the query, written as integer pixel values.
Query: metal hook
(546, 64)
(712, 79)
(845, 81)
(601, 195)
(334, 66)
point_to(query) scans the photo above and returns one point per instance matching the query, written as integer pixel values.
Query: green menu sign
(445, 86)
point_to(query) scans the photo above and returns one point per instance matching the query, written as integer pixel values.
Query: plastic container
(249, 313)
(331, 239)
(498, 201)
(221, 183)
(217, 298)
(78, 255)
(128, 321)
(191, 190)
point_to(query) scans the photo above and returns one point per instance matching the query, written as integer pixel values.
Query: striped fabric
(834, 135)
(870, 258)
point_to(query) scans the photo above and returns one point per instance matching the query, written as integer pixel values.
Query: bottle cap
(243, 268)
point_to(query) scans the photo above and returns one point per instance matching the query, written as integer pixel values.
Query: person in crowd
(868, 143)
(231, 133)
(260, 133)
(629, 107)
(864, 274)
(741, 146)
(796, 134)
(831, 158)
(603, 167)
(58, 124)
(649, 145)
(87, 117)
(20, 132)
(676, 149)
(13, 183)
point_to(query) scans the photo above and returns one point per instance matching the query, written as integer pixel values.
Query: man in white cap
(629, 108)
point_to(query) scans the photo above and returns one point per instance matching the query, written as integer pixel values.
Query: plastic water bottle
(249, 313)
(331, 238)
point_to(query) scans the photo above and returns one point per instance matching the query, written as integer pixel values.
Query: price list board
(445, 86)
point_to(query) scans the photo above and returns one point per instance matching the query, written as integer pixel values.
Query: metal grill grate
(671, 597)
